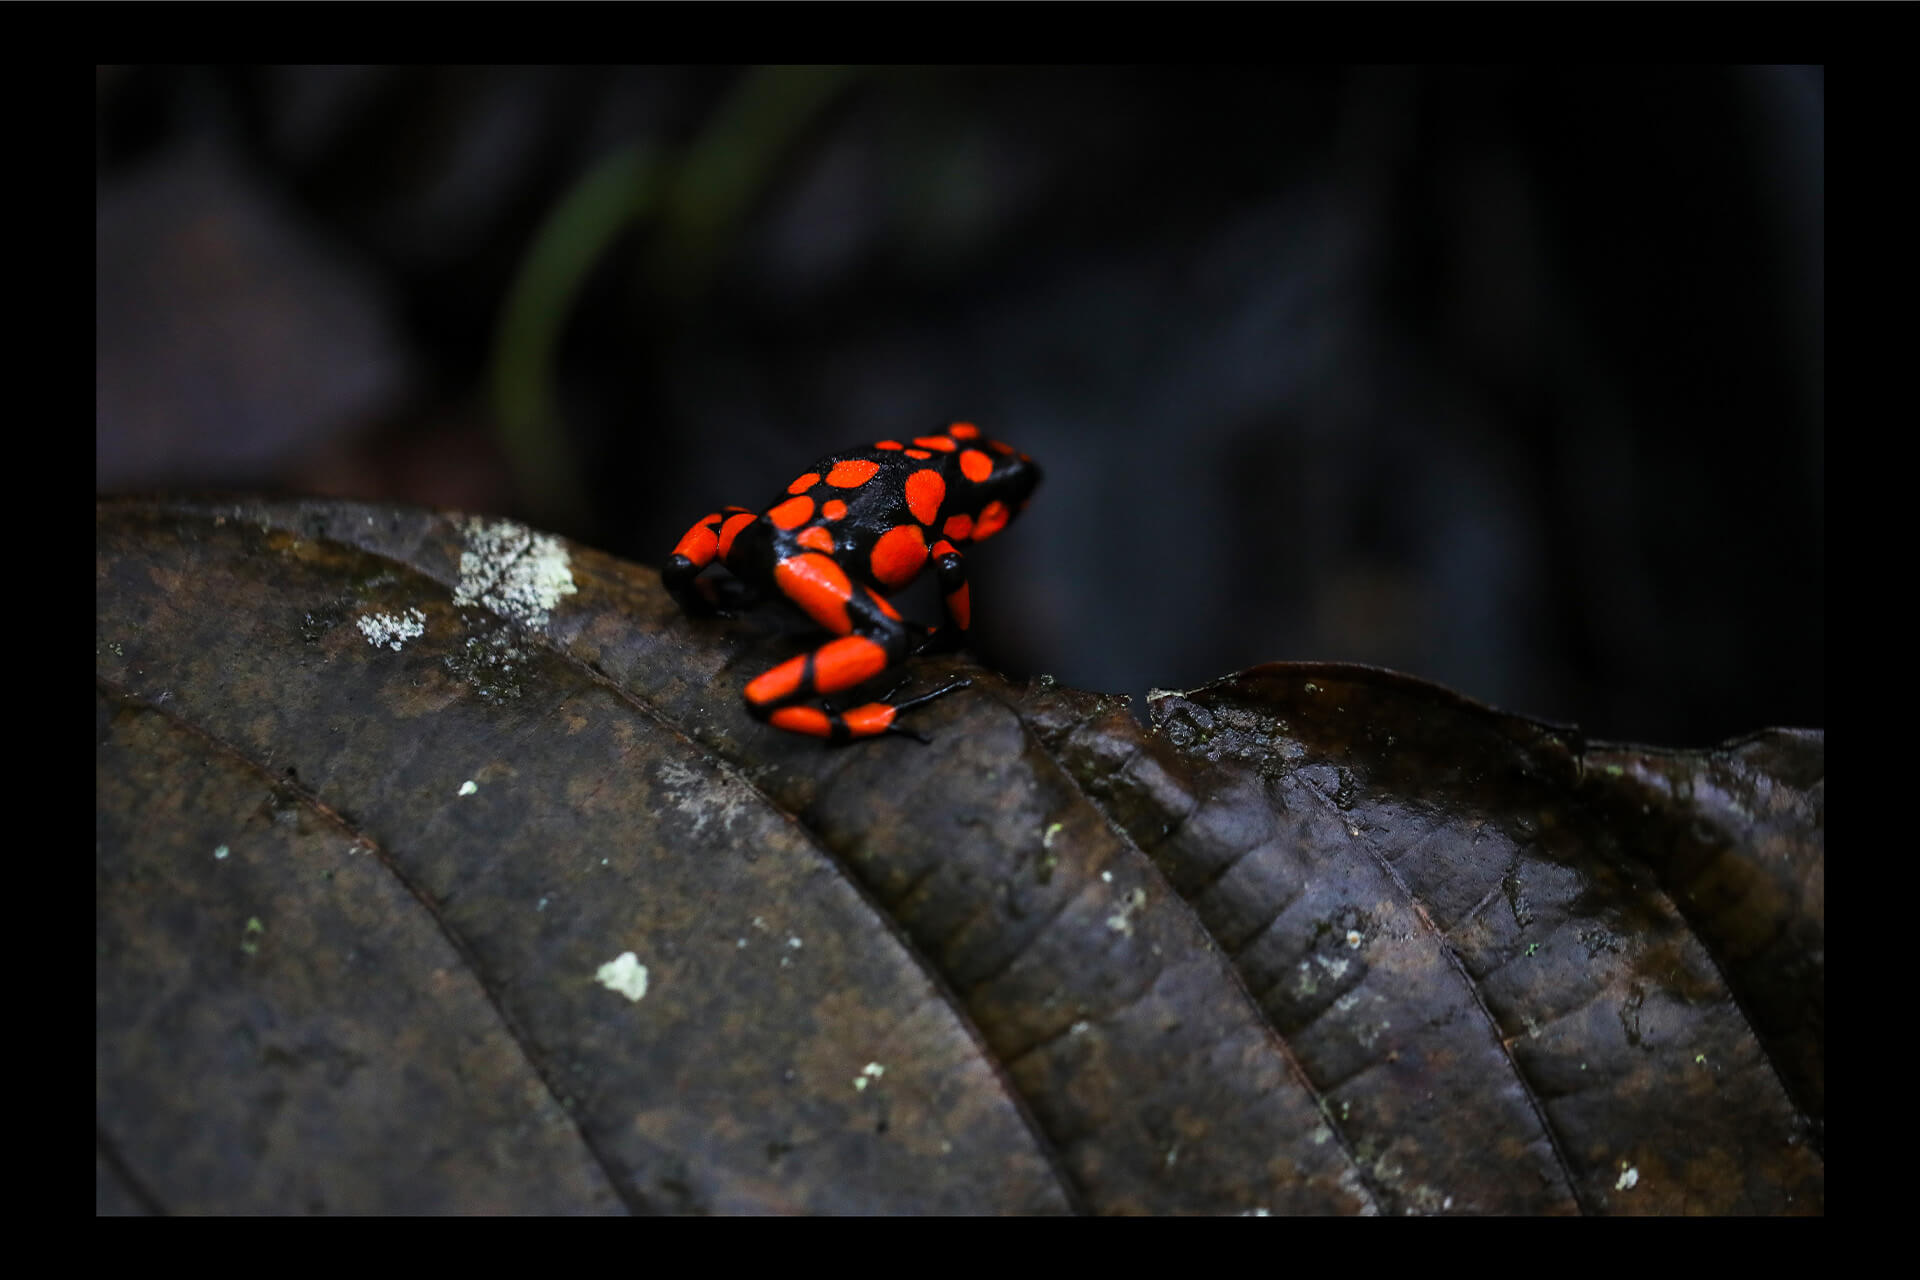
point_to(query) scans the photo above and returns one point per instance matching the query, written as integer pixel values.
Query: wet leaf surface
(394, 807)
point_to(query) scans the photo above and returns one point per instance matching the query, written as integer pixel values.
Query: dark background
(1509, 378)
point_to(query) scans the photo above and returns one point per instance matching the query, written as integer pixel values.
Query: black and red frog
(856, 525)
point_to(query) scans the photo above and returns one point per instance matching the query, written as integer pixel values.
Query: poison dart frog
(855, 525)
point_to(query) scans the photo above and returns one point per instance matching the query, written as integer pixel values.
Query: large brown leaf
(393, 806)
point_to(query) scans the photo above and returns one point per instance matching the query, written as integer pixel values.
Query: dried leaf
(439, 869)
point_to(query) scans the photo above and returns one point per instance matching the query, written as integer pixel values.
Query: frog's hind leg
(877, 641)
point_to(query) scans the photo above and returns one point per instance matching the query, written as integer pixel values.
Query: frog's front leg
(704, 543)
(951, 571)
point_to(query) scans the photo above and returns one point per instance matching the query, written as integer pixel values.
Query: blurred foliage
(621, 191)
(702, 195)
(1512, 379)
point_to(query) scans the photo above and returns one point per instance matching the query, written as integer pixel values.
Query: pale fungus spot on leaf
(1121, 921)
(625, 974)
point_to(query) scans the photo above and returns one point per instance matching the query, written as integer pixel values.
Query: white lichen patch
(703, 797)
(492, 664)
(392, 629)
(513, 571)
(1423, 1198)
(1351, 1183)
(625, 974)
